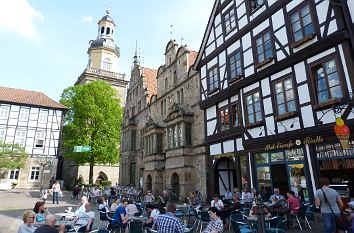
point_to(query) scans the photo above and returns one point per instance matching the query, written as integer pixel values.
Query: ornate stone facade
(163, 141)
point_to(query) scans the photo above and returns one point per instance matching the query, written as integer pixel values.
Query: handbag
(60, 194)
(339, 224)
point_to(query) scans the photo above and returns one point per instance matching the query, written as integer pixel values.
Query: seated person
(85, 218)
(120, 218)
(228, 194)
(215, 225)
(255, 194)
(276, 196)
(237, 192)
(247, 196)
(49, 226)
(253, 211)
(115, 204)
(81, 206)
(27, 226)
(216, 202)
(234, 207)
(102, 206)
(152, 213)
(131, 209)
(193, 199)
(164, 198)
(41, 210)
(149, 197)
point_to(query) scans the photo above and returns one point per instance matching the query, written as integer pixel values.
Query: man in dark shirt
(49, 227)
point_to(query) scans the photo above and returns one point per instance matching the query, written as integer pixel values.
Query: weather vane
(108, 7)
(171, 32)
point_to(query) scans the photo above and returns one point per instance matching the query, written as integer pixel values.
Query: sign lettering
(292, 143)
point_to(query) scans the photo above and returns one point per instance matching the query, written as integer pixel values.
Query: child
(44, 195)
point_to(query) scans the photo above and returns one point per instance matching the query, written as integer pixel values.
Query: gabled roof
(25, 97)
(206, 34)
(150, 78)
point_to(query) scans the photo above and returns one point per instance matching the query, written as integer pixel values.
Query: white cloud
(86, 19)
(18, 16)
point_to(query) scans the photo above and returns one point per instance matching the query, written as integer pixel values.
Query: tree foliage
(12, 156)
(94, 119)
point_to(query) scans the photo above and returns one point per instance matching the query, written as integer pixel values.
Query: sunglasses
(31, 217)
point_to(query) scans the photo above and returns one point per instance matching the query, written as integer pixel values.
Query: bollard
(260, 217)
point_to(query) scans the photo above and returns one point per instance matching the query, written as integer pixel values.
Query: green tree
(94, 119)
(12, 156)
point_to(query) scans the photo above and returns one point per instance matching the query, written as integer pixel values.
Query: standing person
(55, 191)
(244, 183)
(215, 225)
(329, 201)
(169, 223)
(44, 195)
(49, 226)
(27, 225)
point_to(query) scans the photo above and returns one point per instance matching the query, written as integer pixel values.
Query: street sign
(79, 149)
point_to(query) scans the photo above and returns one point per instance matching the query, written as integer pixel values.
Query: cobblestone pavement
(14, 202)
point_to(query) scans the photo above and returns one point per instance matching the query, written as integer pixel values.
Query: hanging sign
(342, 131)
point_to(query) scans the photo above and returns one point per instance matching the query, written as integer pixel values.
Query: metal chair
(135, 227)
(238, 227)
(104, 218)
(281, 225)
(294, 213)
(203, 217)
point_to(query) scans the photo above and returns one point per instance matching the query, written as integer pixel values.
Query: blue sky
(43, 44)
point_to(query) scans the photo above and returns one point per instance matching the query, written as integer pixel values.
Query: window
(301, 23)
(264, 47)
(163, 107)
(175, 77)
(139, 106)
(175, 138)
(229, 20)
(235, 114)
(224, 120)
(133, 111)
(182, 96)
(4, 112)
(24, 113)
(253, 106)
(284, 96)
(106, 64)
(213, 79)
(2, 135)
(254, 4)
(40, 136)
(179, 135)
(13, 174)
(235, 66)
(328, 85)
(34, 173)
(166, 83)
(43, 115)
(133, 140)
(20, 137)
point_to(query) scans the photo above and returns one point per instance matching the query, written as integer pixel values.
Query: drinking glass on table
(70, 208)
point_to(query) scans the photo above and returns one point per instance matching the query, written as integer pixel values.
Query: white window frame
(2, 135)
(20, 137)
(36, 173)
(40, 135)
(4, 111)
(24, 114)
(43, 116)
(13, 173)
(107, 64)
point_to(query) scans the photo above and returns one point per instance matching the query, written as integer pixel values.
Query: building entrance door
(225, 175)
(279, 176)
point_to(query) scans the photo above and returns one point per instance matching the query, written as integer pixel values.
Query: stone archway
(175, 184)
(101, 177)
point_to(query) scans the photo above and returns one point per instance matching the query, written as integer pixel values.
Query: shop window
(294, 155)
(297, 180)
(263, 177)
(213, 79)
(253, 108)
(229, 20)
(328, 84)
(235, 114)
(264, 48)
(243, 165)
(224, 120)
(301, 24)
(284, 97)
(262, 158)
(235, 66)
(277, 157)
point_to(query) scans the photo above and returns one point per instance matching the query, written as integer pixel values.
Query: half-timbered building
(274, 77)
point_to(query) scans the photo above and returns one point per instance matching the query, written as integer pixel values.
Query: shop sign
(292, 143)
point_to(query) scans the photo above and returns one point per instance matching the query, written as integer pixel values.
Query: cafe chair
(281, 225)
(82, 228)
(150, 230)
(192, 213)
(239, 227)
(203, 218)
(240, 218)
(104, 218)
(135, 227)
(295, 214)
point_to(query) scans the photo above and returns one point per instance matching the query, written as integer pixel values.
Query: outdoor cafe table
(254, 221)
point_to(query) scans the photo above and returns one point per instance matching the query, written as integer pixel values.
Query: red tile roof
(34, 98)
(192, 56)
(151, 81)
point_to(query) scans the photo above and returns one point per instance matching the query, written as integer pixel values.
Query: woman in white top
(115, 204)
(55, 191)
(81, 207)
(27, 225)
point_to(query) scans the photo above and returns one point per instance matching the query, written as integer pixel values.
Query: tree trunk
(92, 163)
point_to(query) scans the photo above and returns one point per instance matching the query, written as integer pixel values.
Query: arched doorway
(225, 175)
(148, 183)
(175, 184)
(101, 177)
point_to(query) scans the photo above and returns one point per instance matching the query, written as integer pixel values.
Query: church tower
(103, 55)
